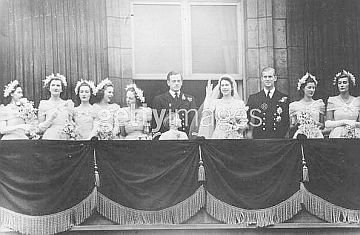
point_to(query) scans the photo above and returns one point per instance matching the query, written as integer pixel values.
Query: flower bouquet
(350, 132)
(70, 130)
(307, 125)
(33, 133)
(27, 111)
(240, 120)
(105, 132)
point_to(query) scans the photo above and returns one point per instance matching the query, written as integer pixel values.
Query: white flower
(53, 76)
(89, 83)
(346, 73)
(304, 78)
(279, 110)
(10, 87)
(23, 101)
(278, 119)
(138, 92)
(283, 99)
(102, 84)
(307, 125)
(27, 110)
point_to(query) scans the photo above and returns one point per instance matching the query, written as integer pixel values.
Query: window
(201, 39)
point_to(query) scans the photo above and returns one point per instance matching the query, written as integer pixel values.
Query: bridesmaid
(104, 125)
(134, 118)
(55, 112)
(12, 125)
(343, 109)
(307, 114)
(84, 113)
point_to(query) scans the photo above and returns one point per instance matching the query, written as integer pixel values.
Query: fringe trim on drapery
(262, 217)
(328, 211)
(172, 215)
(49, 224)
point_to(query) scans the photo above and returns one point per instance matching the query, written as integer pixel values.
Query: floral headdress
(10, 87)
(345, 73)
(138, 92)
(304, 78)
(102, 84)
(62, 78)
(87, 82)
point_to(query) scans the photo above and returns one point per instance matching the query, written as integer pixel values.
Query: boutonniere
(183, 97)
(279, 110)
(189, 99)
(278, 119)
(283, 99)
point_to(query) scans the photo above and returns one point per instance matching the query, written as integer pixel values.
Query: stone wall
(265, 43)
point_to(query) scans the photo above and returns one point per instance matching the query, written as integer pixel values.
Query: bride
(224, 114)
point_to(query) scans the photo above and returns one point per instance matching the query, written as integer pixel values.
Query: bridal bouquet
(70, 130)
(307, 125)
(27, 110)
(239, 120)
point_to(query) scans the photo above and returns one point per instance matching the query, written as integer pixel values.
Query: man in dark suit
(268, 109)
(175, 101)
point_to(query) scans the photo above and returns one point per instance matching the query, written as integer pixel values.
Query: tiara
(304, 78)
(87, 82)
(346, 73)
(102, 84)
(53, 76)
(10, 87)
(138, 92)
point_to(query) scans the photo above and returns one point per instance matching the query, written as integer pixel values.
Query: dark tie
(176, 95)
(268, 94)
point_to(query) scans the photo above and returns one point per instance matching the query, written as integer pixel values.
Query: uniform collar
(272, 91)
(172, 93)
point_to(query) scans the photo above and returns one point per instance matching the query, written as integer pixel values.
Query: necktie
(268, 94)
(176, 95)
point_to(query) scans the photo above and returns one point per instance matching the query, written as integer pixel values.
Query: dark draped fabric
(44, 177)
(40, 37)
(156, 182)
(252, 174)
(147, 175)
(334, 171)
(323, 37)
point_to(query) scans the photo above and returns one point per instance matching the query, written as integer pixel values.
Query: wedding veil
(204, 124)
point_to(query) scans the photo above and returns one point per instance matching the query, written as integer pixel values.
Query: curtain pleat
(323, 38)
(50, 36)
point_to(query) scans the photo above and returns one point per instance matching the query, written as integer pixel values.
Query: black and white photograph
(179, 117)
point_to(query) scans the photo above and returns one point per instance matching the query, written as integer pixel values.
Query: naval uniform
(180, 103)
(272, 114)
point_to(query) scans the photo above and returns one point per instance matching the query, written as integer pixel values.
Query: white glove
(333, 124)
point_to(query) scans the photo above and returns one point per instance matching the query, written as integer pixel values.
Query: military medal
(264, 106)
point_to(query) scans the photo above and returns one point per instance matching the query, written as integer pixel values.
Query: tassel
(97, 178)
(201, 175)
(96, 172)
(305, 169)
(305, 173)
